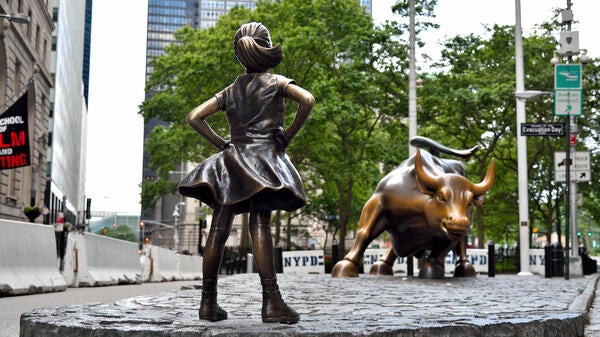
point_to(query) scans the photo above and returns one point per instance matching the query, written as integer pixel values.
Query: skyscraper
(65, 179)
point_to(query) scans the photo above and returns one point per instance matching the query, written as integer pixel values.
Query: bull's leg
(384, 265)
(433, 268)
(369, 229)
(463, 267)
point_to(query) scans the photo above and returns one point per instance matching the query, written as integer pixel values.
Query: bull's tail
(436, 148)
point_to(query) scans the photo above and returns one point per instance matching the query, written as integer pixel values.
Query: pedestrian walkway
(364, 306)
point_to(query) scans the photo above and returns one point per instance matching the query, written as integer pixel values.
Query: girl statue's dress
(251, 169)
(251, 173)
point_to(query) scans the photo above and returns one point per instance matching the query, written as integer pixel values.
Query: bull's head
(452, 198)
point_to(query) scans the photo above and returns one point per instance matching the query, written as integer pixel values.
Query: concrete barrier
(161, 264)
(190, 266)
(537, 261)
(96, 260)
(28, 259)
(304, 262)
(477, 257)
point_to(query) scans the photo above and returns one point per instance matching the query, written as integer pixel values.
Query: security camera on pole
(568, 102)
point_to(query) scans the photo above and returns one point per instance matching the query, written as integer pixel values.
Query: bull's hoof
(345, 268)
(464, 269)
(381, 268)
(431, 270)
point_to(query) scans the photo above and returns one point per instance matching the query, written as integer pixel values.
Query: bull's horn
(427, 181)
(488, 181)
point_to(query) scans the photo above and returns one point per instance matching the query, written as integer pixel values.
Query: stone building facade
(25, 53)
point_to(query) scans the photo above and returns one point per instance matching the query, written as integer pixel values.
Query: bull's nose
(457, 223)
(455, 227)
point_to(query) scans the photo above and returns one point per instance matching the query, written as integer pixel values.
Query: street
(11, 308)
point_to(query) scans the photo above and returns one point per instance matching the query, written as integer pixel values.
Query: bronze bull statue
(425, 204)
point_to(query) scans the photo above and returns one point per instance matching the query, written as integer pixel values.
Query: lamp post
(521, 147)
(522, 96)
(176, 218)
(176, 213)
(412, 82)
(16, 18)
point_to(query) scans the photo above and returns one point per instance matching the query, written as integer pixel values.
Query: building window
(37, 38)
(29, 30)
(17, 81)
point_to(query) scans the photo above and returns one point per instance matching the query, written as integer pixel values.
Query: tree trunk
(277, 222)
(344, 208)
(480, 233)
(289, 232)
(245, 244)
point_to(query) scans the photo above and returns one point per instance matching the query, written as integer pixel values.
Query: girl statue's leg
(274, 309)
(213, 254)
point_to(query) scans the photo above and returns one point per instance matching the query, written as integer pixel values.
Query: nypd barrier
(477, 257)
(161, 264)
(97, 260)
(304, 262)
(28, 259)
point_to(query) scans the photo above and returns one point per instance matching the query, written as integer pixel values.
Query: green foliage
(470, 100)
(358, 75)
(122, 232)
(331, 48)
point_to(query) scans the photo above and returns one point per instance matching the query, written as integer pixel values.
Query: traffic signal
(590, 233)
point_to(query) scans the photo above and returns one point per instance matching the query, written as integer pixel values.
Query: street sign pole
(567, 77)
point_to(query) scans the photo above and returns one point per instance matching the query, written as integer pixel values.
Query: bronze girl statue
(251, 173)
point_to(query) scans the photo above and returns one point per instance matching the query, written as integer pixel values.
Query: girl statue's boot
(274, 309)
(209, 309)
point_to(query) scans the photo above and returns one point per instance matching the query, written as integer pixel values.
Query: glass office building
(164, 18)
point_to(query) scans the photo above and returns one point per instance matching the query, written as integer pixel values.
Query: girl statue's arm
(305, 104)
(196, 119)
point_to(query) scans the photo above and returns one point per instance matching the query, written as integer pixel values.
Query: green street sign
(567, 102)
(567, 77)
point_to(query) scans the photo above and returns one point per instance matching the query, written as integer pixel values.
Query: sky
(117, 71)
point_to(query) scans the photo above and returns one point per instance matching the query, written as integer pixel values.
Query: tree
(121, 232)
(332, 49)
(470, 100)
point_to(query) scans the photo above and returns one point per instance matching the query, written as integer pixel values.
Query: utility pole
(412, 80)
(568, 102)
(523, 194)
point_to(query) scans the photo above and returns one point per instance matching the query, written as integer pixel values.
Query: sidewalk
(506, 305)
(593, 328)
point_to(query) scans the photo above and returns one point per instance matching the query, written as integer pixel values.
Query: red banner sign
(14, 136)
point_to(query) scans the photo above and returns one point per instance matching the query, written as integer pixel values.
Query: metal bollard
(249, 263)
(548, 261)
(279, 259)
(335, 253)
(491, 259)
(558, 260)
(410, 266)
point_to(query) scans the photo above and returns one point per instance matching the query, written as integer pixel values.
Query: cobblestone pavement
(366, 306)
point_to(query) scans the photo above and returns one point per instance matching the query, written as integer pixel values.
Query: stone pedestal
(364, 306)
